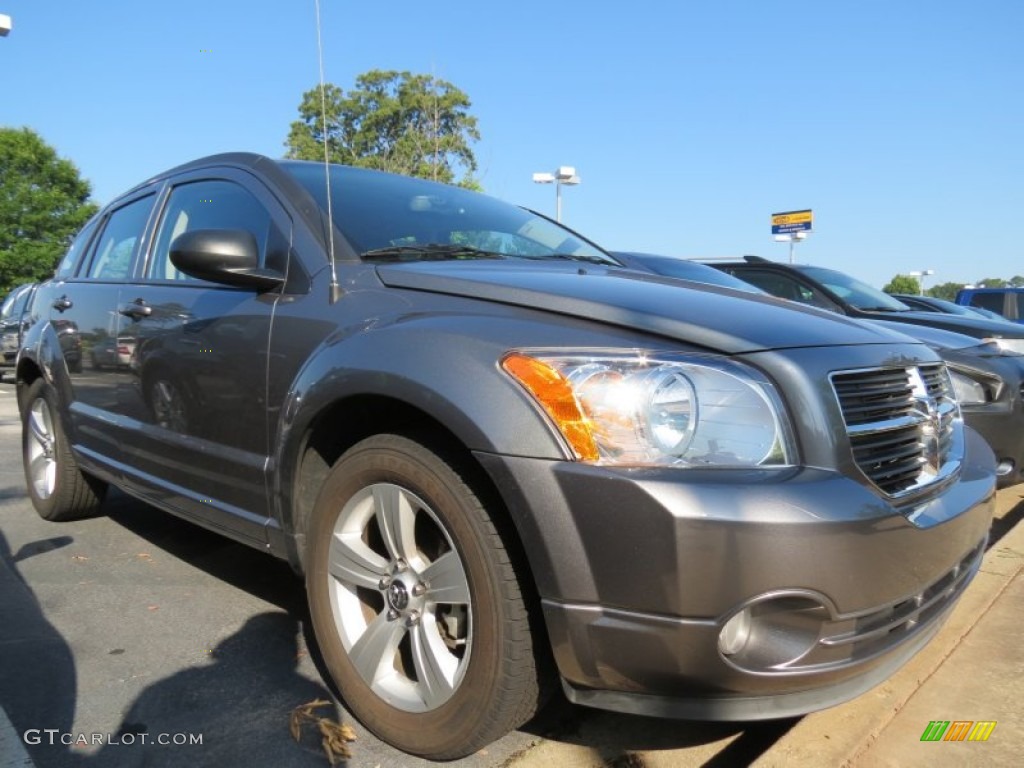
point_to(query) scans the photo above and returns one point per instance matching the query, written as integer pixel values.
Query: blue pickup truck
(1008, 302)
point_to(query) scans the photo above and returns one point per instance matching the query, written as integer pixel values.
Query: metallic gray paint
(625, 559)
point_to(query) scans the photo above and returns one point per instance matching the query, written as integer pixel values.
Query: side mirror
(226, 256)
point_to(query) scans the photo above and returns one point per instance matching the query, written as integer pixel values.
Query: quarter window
(69, 263)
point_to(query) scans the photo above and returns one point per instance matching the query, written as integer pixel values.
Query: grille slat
(900, 422)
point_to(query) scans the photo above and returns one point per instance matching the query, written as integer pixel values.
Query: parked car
(11, 313)
(988, 380)
(839, 292)
(109, 352)
(933, 304)
(486, 444)
(684, 269)
(1008, 302)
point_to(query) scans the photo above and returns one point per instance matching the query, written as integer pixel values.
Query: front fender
(452, 377)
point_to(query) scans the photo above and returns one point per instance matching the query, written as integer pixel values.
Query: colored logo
(958, 730)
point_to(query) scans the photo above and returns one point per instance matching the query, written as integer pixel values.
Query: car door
(198, 361)
(81, 303)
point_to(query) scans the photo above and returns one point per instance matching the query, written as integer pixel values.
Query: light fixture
(565, 174)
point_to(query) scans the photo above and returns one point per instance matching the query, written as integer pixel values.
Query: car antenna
(335, 288)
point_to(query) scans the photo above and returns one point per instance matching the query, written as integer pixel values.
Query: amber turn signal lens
(551, 389)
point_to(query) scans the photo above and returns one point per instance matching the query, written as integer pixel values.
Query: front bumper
(639, 571)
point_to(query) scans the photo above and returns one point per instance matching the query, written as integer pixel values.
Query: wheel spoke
(374, 651)
(355, 564)
(44, 474)
(397, 520)
(447, 580)
(38, 423)
(434, 663)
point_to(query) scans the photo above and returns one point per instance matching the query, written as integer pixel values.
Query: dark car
(838, 292)
(12, 312)
(933, 304)
(1006, 302)
(488, 446)
(988, 380)
(684, 269)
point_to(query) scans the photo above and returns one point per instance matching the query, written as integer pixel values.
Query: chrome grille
(903, 425)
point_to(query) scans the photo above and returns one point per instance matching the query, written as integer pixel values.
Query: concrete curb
(842, 735)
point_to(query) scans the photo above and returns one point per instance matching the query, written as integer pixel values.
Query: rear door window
(990, 301)
(117, 243)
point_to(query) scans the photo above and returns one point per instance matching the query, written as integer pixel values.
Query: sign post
(792, 227)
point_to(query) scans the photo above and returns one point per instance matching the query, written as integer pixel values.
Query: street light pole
(565, 174)
(922, 273)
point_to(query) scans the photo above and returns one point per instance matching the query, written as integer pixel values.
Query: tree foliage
(903, 284)
(992, 282)
(945, 291)
(415, 125)
(43, 203)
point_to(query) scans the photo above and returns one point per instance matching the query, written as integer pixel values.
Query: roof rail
(751, 259)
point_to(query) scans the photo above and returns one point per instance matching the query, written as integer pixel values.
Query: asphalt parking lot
(140, 627)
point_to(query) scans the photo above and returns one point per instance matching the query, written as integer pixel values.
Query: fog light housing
(735, 633)
(773, 632)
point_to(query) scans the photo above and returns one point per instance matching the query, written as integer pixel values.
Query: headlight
(968, 391)
(1007, 346)
(639, 410)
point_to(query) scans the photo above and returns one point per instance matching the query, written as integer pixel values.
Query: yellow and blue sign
(792, 221)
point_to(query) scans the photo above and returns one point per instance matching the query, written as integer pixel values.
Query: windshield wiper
(583, 257)
(882, 309)
(428, 252)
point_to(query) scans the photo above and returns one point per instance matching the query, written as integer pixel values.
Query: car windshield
(854, 292)
(386, 217)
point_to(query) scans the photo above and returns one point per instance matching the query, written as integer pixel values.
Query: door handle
(136, 310)
(62, 303)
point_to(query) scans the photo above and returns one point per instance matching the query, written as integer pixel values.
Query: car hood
(936, 338)
(979, 328)
(729, 321)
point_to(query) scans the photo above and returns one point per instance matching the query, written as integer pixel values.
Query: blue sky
(901, 124)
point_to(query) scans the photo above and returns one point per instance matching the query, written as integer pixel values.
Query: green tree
(416, 125)
(903, 284)
(945, 291)
(991, 282)
(43, 203)
(1017, 281)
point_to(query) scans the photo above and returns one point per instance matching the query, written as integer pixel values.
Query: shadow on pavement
(614, 738)
(243, 567)
(1003, 525)
(37, 668)
(238, 705)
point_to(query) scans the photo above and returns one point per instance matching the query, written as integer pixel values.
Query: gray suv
(488, 447)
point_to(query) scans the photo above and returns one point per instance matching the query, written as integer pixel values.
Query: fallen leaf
(333, 735)
(79, 558)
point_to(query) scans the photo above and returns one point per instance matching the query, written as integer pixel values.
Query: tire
(433, 678)
(59, 490)
(168, 405)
